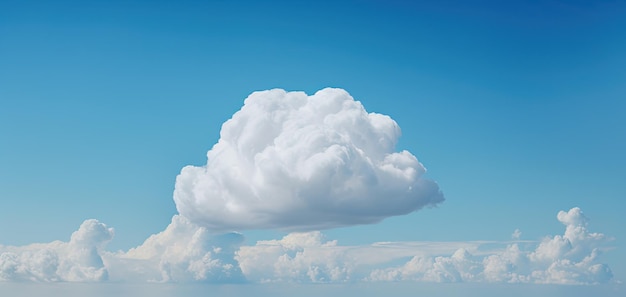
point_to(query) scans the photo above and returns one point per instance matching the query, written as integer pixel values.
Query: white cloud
(571, 258)
(183, 252)
(517, 234)
(308, 257)
(296, 257)
(186, 252)
(296, 162)
(291, 161)
(77, 260)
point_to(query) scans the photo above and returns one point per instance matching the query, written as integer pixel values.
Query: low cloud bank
(187, 252)
(78, 260)
(183, 252)
(571, 258)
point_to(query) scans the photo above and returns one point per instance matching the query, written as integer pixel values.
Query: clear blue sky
(516, 109)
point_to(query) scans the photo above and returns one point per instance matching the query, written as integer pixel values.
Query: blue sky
(515, 109)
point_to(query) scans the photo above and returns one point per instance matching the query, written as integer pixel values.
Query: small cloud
(296, 257)
(183, 252)
(517, 234)
(78, 260)
(290, 161)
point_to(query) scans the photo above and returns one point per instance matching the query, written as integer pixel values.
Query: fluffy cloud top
(183, 252)
(298, 256)
(76, 261)
(296, 162)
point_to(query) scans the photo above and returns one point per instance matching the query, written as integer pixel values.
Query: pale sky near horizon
(515, 109)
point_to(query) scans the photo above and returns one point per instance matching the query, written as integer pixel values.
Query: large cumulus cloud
(291, 161)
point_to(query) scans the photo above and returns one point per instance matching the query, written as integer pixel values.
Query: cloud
(290, 161)
(78, 260)
(187, 252)
(571, 258)
(183, 252)
(296, 162)
(297, 256)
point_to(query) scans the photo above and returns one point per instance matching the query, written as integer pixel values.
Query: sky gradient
(516, 109)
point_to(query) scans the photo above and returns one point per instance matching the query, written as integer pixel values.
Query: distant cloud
(517, 234)
(296, 162)
(296, 257)
(183, 252)
(571, 258)
(75, 261)
(186, 252)
(309, 257)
